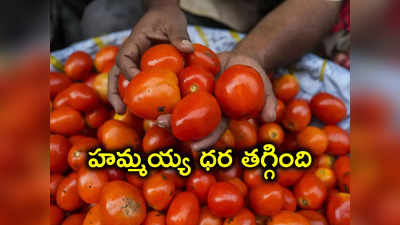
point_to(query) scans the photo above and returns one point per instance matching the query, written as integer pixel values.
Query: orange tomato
(199, 183)
(280, 110)
(152, 93)
(342, 166)
(325, 161)
(94, 216)
(297, 115)
(314, 217)
(116, 135)
(122, 85)
(287, 217)
(338, 209)
(90, 184)
(271, 133)
(148, 124)
(288, 177)
(59, 147)
(227, 140)
(157, 138)
(239, 184)
(131, 120)
(82, 98)
(266, 199)
(328, 108)
(245, 133)
(338, 140)
(61, 99)
(286, 87)
(100, 85)
(105, 56)
(184, 210)
(55, 180)
(326, 176)
(74, 219)
(195, 117)
(96, 118)
(244, 216)
(162, 56)
(66, 121)
(78, 65)
(154, 218)
(135, 179)
(158, 191)
(56, 215)
(204, 57)
(67, 194)
(225, 199)
(207, 218)
(289, 201)
(195, 78)
(57, 83)
(313, 139)
(179, 181)
(253, 177)
(310, 192)
(240, 91)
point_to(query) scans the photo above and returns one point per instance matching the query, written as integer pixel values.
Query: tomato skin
(57, 83)
(338, 140)
(77, 155)
(226, 174)
(116, 135)
(207, 218)
(338, 209)
(115, 173)
(289, 201)
(240, 92)
(135, 179)
(313, 139)
(225, 199)
(266, 199)
(244, 217)
(158, 191)
(204, 57)
(152, 93)
(253, 177)
(122, 85)
(280, 110)
(82, 98)
(184, 210)
(227, 140)
(59, 147)
(90, 184)
(189, 116)
(328, 108)
(342, 170)
(154, 218)
(310, 192)
(289, 177)
(240, 185)
(56, 215)
(271, 133)
(122, 204)
(157, 138)
(100, 85)
(244, 132)
(297, 115)
(55, 180)
(179, 181)
(199, 183)
(96, 118)
(74, 219)
(289, 144)
(286, 87)
(67, 194)
(147, 124)
(61, 99)
(288, 217)
(131, 120)
(94, 216)
(326, 176)
(105, 56)
(314, 217)
(66, 121)
(162, 56)
(78, 65)
(325, 161)
(195, 78)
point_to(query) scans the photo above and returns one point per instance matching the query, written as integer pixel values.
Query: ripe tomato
(271, 133)
(122, 85)
(116, 135)
(115, 173)
(287, 217)
(286, 87)
(328, 108)
(280, 110)
(240, 91)
(266, 199)
(82, 98)
(344, 183)
(74, 219)
(55, 180)
(314, 217)
(297, 115)
(204, 57)
(157, 138)
(122, 204)
(67, 194)
(326, 176)
(154, 218)
(61, 99)
(158, 190)
(94, 216)
(162, 56)
(147, 124)
(244, 132)
(253, 177)
(105, 56)
(66, 121)
(313, 139)
(179, 181)
(135, 179)
(57, 83)
(189, 116)
(152, 93)
(225, 199)
(240, 185)
(100, 85)
(77, 155)
(289, 177)
(227, 140)
(325, 161)
(59, 147)
(289, 201)
(226, 174)
(89, 81)
(338, 209)
(338, 140)
(207, 218)
(195, 78)
(131, 120)
(56, 215)
(78, 65)
(199, 183)
(244, 216)
(96, 118)
(289, 144)
(184, 210)
(310, 192)
(90, 184)
(342, 166)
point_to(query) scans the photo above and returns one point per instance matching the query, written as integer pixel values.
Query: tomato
(289, 177)
(90, 184)
(78, 65)
(341, 166)
(199, 183)
(338, 140)
(313, 139)
(57, 83)
(66, 121)
(240, 92)
(94, 216)
(310, 192)
(122, 85)
(96, 118)
(67, 193)
(162, 56)
(157, 138)
(289, 144)
(135, 179)
(116, 135)
(240, 185)
(271, 133)
(59, 147)
(194, 78)
(189, 116)
(147, 124)
(80, 139)
(227, 140)
(56, 215)
(154, 218)
(244, 216)
(325, 160)
(131, 120)
(158, 190)
(328, 108)
(338, 209)
(253, 177)
(289, 201)
(327, 176)
(207, 218)
(179, 181)
(344, 183)
(280, 110)
(74, 219)
(122, 204)
(100, 85)
(314, 217)
(61, 99)
(184, 210)
(288, 218)
(286, 87)
(82, 98)
(55, 180)
(244, 132)
(115, 173)
(89, 81)
(297, 115)
(266, 199)
(105, 56)
(204, 57)
(77, 155)
(225, 199)
(226, 174)
(152, 93)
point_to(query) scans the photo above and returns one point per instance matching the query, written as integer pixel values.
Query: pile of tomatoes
(186, 87)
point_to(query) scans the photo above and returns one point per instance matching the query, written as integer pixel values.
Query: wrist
(254, 53)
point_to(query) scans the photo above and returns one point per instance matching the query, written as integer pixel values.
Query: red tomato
(158, 191)
(105, 56)
(67, 194)
(244, 216)
(225, 199)
(90, 80)
(226, 174)
(280, 110)
(94, 216)
(244, 132)
(287, 218)
(199, 183)
(338, 140)
(115, 173)
(162, 56)
(59, 147)
(116, 135)
(342, 166)
(297, 115)
(338, 209)
(131, 120)
(289, 177)
(328, 108)
(147, 124)
(266, 199)
(195, 78)
(289, 144)
(271, 133)
(253, 177)
(286, 87)
(184, 210)
(314, 217)
(57, 83)
(154, 218)
(240, 185)
(56, 215)
(326, 176)
(207, 218)
(135, 179)
(313, 139)
(61, 99)
(204, 57)
(325, 161)
(157, 138)
(82, 98)
(310, 192)
(77, 155)
(90, 184)
(78, 65)
(74, 219)
(122, 204)
(152, 93)
(189, 116)
(122, 85)
(179, 181)
(100, 85)
(289, 201)
(66, 121)
(227, 140)
(240, 91)
(96, 118)
(55, 180)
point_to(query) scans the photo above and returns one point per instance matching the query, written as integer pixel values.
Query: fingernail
(186, 43)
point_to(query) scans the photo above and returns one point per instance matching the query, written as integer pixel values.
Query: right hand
(163, 23)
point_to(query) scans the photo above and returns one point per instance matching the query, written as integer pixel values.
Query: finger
(180, 39)
(268, 113)
(113, 93)
(164, 120)
(211, 139)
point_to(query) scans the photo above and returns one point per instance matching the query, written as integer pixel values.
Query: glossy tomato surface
(162, 56)
(199, 183)
(94, 216)
(155, 218)
(266, 199)
(338, 209)
(158, 190)
(244, 216)
(287, 218)
(67, 193)
(97, 117)
(195, 78)
(314, 217)
(271, 133)
(116, 135)
(328, 108)
(204, 57)
(66, 121)
(78, 65)
(90, 184)
(227, 140)
(286, 87)
(82, 98)
(313, 139)
(184, 210)
(57, 83)
(338, 140)
(157, 138)
(59, 147)
(310, 192)
(297, 115)
(244, 133)
(225, 199)
(207, 218)
(105, 56)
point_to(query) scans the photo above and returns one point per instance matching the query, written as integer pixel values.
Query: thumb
(180, 39)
